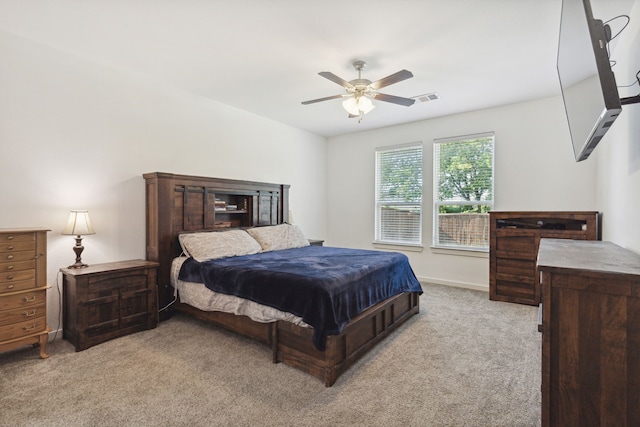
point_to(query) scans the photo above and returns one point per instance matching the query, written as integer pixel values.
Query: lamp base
(78, 265)
(78, 248)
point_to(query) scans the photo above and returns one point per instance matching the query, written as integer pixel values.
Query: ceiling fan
(360, 92)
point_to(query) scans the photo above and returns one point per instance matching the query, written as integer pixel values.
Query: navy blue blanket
(324, 286)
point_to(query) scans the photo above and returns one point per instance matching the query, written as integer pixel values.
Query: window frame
(455, 202)
(379, 203)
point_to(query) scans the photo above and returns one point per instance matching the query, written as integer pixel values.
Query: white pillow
(278, 237)
(218, 244)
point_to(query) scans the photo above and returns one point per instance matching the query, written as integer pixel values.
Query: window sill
(398, 246)
(475, 253)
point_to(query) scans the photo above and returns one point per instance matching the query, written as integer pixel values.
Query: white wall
(534, 170)
(79, 135)
(618, 153)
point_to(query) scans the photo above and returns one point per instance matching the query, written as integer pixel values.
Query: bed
(182, 207)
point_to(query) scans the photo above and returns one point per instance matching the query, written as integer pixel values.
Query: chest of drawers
(515, 237)
(23, 289)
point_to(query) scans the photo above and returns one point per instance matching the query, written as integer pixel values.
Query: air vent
(427, 97)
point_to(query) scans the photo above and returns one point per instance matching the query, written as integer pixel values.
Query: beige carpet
(463, 361)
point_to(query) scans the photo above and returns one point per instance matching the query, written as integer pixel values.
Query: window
(463, 191)
(399, 194)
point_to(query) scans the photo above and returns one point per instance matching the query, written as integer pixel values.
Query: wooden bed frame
(180, 203)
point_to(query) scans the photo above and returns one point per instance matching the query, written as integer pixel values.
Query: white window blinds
(399, 194)
(463, 191)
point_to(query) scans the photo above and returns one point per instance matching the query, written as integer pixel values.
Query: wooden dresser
(514, 240)
(590, 334)
(106, 301)
(23, 289)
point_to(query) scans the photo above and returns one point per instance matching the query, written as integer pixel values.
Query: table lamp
(78, 225)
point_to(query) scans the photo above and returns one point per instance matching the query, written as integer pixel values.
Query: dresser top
(22, 230)
(587, 255)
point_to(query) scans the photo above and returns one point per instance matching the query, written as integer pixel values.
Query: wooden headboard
(181, 203)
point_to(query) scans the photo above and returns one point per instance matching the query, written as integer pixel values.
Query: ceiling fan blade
(313, 101)
(393, 78)
(394, 99)
(329, 75)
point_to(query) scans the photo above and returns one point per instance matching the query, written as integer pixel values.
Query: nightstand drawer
(18, 315)
(100, 312)
(96, 330)
(124, 282)
(22, 329)
(134, 304)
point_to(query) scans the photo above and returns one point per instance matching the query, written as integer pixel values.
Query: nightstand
(106, 301)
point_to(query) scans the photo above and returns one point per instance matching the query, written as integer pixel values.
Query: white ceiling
(264, 56)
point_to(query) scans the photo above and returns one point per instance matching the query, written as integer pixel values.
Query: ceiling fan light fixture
(355, 105)
(351, 105)
(365, 105)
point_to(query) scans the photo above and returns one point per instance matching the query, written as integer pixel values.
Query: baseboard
(474, 286)
(53, 335)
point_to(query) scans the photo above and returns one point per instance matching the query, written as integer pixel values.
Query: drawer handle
(9, 256)
(9, 248)
(30, 328)
(9, 237)
(27, 314)
(10, 267)
(10, 287)
(27, 299)
(9, 277)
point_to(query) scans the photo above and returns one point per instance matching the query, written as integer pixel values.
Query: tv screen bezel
(608, 88)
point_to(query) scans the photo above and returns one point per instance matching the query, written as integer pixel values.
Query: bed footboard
(293, 345)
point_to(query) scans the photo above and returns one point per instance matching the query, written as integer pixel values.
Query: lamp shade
(78, 224)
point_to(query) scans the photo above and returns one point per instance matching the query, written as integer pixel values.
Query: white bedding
(202, 298)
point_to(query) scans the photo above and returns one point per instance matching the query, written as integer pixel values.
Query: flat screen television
(588, 85)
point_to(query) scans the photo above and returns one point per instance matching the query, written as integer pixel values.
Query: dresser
(514, 240)
(590, 334)
(23, 289)
(110, 300)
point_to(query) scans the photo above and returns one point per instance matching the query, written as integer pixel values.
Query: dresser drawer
(525, 244)
(18, 315)
(16, 276)
(7, 267)
(22, 329)
(23, 299)
(15, 256)
(17, 246)
(13, 286)
(13, 237)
